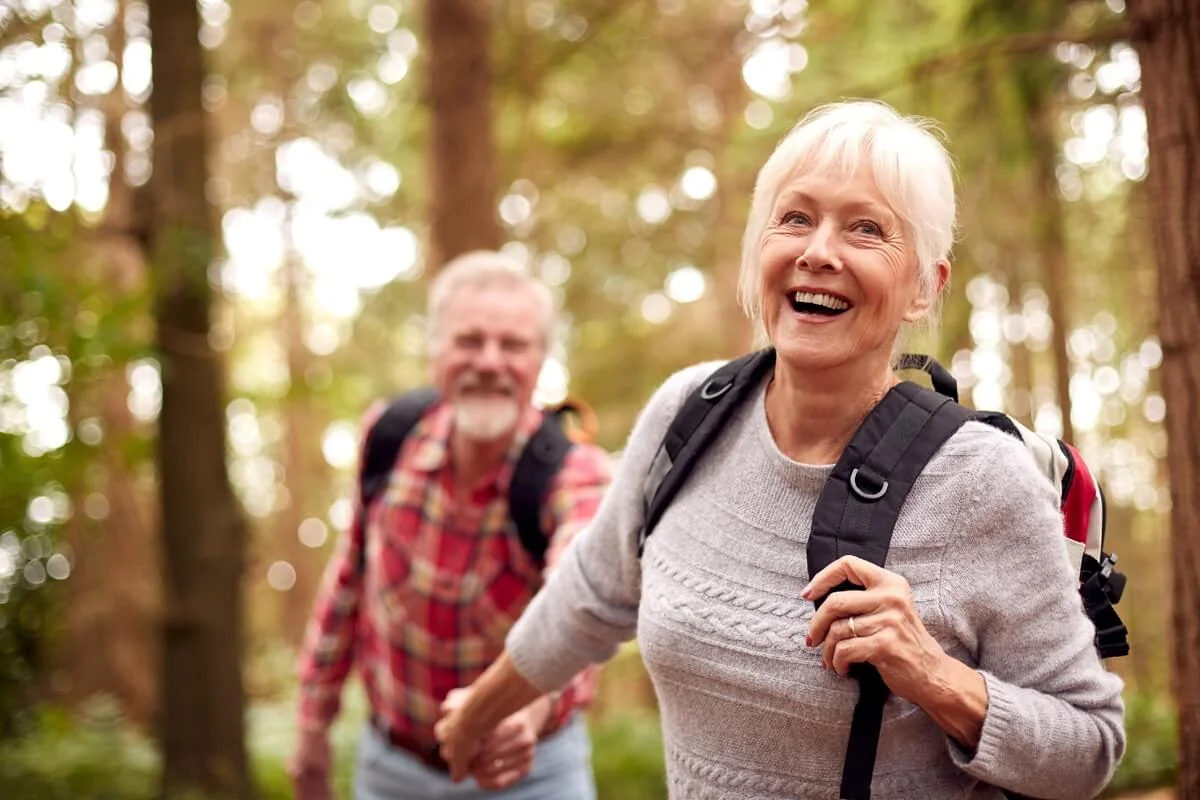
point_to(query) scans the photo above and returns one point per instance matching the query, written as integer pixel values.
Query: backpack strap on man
(702, 416)
(540, 462)
(384, 440)
(386, 437)
(855, 515)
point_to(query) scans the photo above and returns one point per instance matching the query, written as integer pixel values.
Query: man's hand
(309, 767)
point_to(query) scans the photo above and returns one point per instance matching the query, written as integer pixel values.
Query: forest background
(217, 224)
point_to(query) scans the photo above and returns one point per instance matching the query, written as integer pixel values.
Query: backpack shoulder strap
(862, 498)
(382, 447)
(536, 469)
(702, 415)
(855, 515)
(943, 381)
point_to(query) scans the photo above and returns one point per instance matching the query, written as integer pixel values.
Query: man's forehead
(491, 308)
(499, 294)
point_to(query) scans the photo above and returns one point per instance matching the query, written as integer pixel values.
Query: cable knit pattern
(748, 711)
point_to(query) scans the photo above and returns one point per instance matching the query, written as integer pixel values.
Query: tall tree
(1169, 50)
(462, 169)
(204, 533)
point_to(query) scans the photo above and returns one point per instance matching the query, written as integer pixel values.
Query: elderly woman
(975, 625)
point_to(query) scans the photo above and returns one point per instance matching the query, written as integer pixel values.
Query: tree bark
(724, 76)
(1052, 251)
(463, 188)
(109, 625)
(1169, 50)
(302, 464)
(203, 531)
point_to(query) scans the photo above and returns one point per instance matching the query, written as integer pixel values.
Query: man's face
(487, 357)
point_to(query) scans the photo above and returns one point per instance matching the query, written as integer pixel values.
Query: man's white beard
(485, 419)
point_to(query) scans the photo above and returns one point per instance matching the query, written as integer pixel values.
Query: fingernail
(808, 641)
(807, 590)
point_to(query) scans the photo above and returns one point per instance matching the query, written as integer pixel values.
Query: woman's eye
(868, 227)
(795, 218)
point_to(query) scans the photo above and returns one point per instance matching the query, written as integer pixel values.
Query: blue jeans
(562, 770)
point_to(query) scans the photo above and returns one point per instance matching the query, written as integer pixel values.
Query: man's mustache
(485, 381)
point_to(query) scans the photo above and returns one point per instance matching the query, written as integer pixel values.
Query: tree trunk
(108, 632)
(1052, 250)
(302, 463)
(204, 533)
(463, 176)
(1020, 388)
(1169, 49)
(725, 78)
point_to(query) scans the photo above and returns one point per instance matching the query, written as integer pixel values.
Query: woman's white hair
(911, 168)
(484, 268)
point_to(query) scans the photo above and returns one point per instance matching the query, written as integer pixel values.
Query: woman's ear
(925, 300)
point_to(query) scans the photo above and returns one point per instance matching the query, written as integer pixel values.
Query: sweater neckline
(800, 475)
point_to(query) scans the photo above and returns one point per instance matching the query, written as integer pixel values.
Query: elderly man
(450, 541)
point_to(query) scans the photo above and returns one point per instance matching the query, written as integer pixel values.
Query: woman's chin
(806, 352)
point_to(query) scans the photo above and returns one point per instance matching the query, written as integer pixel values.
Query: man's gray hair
(484, 268)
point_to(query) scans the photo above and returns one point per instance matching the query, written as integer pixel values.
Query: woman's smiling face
(838, 272)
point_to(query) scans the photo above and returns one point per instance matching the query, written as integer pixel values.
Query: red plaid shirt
(444, 581)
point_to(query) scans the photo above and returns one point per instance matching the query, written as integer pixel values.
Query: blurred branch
(18, 28)
(561, 55)
(1019, 44)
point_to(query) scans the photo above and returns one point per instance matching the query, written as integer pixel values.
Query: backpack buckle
(875, 486)
(712, 390)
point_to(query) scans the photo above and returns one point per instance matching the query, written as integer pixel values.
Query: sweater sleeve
(1055, 720)
(589, 605)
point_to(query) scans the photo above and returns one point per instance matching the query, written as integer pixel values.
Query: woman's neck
(812, 414)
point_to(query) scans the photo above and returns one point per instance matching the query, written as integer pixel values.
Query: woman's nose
(818, 253)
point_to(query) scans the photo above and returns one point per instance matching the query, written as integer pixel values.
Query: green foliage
(1152, 757)
(70, 324)
(95, 754)
(627, 756)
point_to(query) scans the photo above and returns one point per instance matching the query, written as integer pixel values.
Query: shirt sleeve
(1054, 727)
(589, 605)
(572, 503)
(327, 652)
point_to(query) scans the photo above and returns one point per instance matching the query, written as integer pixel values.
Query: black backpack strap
(384, 440)
(1101, 587)
(943, 382)
(537, 467)
(855, 515)
(700, 419)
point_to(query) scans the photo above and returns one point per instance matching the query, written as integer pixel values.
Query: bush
(1151, 759)
(627, 756)
(95, 756)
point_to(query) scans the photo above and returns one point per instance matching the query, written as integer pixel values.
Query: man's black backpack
(539, 463)
(862, 498)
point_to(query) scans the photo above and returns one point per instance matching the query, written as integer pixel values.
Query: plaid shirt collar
(431, 453)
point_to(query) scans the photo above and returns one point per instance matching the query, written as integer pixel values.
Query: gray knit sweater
(748, 711)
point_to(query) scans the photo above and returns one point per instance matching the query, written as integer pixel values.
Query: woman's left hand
(879, 626)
